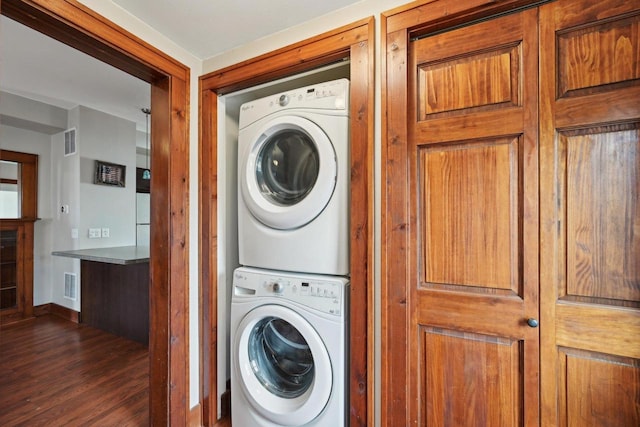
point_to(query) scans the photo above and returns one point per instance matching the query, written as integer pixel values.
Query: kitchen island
(114, 289)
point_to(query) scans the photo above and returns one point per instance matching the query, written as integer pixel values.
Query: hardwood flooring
(57, 373)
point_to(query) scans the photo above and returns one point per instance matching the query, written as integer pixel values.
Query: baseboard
(195, 416)
(57, 310)
(225, 401)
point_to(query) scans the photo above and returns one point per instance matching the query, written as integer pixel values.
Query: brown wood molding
(28, 180)
(195, 416)
(57, 310)
(78, 26)
(430, 16)
(74, 24)
(287, 61)
(354, 41)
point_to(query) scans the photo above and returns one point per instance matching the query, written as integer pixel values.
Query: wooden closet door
(473, 336)
(590, 213)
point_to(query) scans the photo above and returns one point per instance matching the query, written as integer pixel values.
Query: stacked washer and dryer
(289, 309)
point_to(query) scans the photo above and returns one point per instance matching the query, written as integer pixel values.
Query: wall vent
(70, 286)
(70, 142)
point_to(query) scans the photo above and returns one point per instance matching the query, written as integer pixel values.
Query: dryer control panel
(330, 97)
(325, 293)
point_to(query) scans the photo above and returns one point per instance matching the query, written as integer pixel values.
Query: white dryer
(293, 180)
(289, 349)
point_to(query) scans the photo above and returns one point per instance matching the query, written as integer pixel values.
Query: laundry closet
(275, 236)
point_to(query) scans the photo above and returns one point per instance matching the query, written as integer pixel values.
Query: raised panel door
(473, 281)
(590, 213)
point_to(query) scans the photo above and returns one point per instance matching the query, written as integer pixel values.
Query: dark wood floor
(56, 373)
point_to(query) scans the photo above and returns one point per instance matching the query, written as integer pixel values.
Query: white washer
(293, 180)
(289, 349)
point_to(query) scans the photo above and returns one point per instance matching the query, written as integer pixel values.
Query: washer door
(288, 173)
(284, 367)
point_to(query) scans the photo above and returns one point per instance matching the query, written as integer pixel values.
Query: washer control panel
(324, 293)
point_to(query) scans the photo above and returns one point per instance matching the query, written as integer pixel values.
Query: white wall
(107, 138)
(32, 142)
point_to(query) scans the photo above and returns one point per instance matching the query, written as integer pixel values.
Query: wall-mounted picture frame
(110, 174)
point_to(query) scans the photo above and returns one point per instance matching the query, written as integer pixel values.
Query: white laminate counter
(117, 255)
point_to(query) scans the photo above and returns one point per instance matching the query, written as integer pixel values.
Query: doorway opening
(82, 29)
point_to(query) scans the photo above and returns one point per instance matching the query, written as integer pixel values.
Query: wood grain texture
(603, 213)
(470, 206)
(54, 372)
(465, 390)
(74, 24)
(361, 316)
(208, 244)
(177, 244)
(289, 60)
(395, 377)
(17, 304)
(590, 208)
(115, 298)
(477, 81)
(17, 271)
(430, 16)
(79, 27)
(469, 163)
(590, 380)
(598, 327)
(351, 41)
(602, 54)
(57, 310)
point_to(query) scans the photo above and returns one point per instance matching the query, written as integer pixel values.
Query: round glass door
(288, 172)
(287, 167)
(284, 366)
(281, 358)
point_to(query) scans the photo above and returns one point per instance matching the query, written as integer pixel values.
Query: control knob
(283, 100)
(277, 288)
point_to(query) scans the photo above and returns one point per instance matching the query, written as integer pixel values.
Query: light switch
(105, 232)
(74, 233)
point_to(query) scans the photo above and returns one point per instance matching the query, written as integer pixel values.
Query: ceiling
(207, 28)
(40, 68)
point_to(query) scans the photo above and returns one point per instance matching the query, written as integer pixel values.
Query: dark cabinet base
(115, 298)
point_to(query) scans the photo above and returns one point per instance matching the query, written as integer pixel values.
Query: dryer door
(284, 367)
(288, 174)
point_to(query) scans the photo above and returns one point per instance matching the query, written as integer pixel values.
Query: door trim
(81, 28)
(355, 41)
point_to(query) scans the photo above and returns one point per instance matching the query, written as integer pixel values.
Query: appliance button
(283, 100)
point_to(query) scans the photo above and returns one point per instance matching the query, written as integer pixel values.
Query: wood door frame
(355, 41)
(28, 184)
(398, 27)
(81, 28)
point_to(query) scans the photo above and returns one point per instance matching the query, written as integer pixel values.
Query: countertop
(117, 255)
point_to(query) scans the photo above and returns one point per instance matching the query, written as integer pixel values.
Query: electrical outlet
(105, 232)
(64, 209)
(94, 233)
